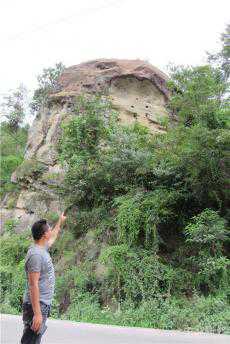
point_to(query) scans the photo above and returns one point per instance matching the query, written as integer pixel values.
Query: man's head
(41, 230)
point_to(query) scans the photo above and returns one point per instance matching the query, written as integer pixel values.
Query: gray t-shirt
(38, 260)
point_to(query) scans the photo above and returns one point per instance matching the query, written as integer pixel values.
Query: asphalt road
(67, 332)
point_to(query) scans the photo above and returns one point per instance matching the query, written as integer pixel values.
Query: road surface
(68, 332)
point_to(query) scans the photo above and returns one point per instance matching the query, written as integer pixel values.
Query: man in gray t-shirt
(38, 260)
(40, 281)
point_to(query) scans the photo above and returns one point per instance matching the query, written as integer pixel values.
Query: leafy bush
(198, 96)
(84, 132)
(140, 216)
(30, 168)
(199, 314)
(47, 84)
(52, 217)
(84, 307)
(208, 230)
(12, 254)
(206, 234)
(14, 108)
(12, 146)
(9, 225)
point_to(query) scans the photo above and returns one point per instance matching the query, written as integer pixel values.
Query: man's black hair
(39, 228)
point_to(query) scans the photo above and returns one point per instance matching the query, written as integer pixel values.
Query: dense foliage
(12, 147)
(47, 84)
(222, 58)
(14, 107)
(157, 205)
(199, 96)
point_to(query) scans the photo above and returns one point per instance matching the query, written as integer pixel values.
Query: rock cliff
(136, 89)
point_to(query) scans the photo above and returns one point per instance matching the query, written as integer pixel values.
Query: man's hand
(37, 322)
(62, 218)
(56, 229)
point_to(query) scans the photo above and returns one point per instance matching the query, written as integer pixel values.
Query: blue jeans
(29, 336)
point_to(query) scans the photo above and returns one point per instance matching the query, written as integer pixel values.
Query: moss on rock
(28, 169)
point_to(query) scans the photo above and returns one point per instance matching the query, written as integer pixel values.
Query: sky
(37, 34)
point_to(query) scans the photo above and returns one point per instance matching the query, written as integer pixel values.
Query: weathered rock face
(95, 75)
(136, 90)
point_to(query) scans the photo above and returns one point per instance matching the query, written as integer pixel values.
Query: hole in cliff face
(38, 115)
(88, 86)
(132, 94)
(29, 146)
(105, 65)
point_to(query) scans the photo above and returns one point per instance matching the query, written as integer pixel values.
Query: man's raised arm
(56, 229)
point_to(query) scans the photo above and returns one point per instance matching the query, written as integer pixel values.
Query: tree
(47, 83)
(206, 234)
(199, 96)
(14, 107)
(222, 58)
(12, 147)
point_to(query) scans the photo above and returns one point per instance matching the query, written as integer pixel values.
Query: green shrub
(84, 132)
(198, 96)
(12, 200)
(47, 84)
(14, 294)
(206, 234)
(208, 230)
(140, 216)
(52, 217)
(84, 307)
(9, 225)
(12, 254)
(12, 146)
(30, 169)
(209, 314)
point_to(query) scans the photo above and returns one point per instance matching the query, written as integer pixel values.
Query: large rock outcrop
(136, 89)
